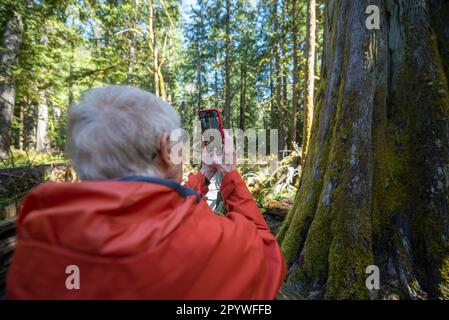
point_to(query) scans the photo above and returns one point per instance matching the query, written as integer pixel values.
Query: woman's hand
(224, 162)
(227, 161)
(208, 168)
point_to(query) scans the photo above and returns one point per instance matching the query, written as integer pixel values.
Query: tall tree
(41, 120)
(376, 182)
(285, 52)
(278, 100)
(228, 66)
(215, 42)
(246, 57)
(295, 75)
(154, 46)
(12, 40)
(197, 57)
(243, 83)
(200, 37)
(310, 76)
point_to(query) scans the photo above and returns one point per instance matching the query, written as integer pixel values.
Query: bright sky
(185, 8)
(187, 4)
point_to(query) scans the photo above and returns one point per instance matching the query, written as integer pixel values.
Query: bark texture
(12, 41)
(375, 186)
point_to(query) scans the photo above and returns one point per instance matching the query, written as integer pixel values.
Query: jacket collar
(181, 190)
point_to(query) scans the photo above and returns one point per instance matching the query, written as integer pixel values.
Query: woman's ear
(164, 150)
(167, 168)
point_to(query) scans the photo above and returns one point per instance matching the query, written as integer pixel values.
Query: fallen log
(7, 245)
(22, 179)
(16, 182)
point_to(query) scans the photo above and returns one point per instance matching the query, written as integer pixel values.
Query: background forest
(362, 114)
(244, 56)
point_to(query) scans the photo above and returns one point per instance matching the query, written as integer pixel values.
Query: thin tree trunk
(376, 182)
(153, 39)
(216, 93)
(199, 64)
(228, 66)
(42, 109)
(272, 96)
(42, 122)
(218, 97)
(278, 80)
(284, 70)
(243, 91)
(310, 77)
(199, 89)
(12, 40)
(161, 81)
(183, 114)
(295, 89)
(132, 58)
(21, 128)
(71, 97)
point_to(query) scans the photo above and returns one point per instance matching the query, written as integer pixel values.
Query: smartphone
(211, 119)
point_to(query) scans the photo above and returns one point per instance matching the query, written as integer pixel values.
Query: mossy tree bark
(374, 190)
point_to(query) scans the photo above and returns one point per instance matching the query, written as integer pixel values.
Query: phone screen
(210, 120)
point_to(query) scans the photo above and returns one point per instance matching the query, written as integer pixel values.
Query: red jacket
(145, 239)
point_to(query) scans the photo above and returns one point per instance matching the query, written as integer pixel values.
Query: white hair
(114, 131)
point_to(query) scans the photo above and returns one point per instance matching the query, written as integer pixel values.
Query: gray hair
(114, 131)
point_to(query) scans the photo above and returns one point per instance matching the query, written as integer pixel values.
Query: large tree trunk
(12, 40)
(310, 77)
(376, 182)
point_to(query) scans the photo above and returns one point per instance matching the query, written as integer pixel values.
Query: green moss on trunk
(375, 185)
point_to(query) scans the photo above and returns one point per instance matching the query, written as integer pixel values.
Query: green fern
(444, 285)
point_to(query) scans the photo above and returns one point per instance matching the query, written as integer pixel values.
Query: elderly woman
(129, 230)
